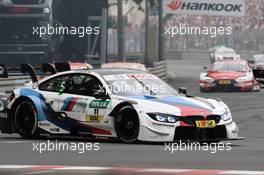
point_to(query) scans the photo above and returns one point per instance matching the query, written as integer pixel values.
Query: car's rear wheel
(127, 124)
(26, 120)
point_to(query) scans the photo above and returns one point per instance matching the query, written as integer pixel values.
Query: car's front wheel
(127, 124)
(256, 88)
(25, 119)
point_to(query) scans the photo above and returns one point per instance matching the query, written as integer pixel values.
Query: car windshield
(225, 53)
(138, 84)
(237, 67)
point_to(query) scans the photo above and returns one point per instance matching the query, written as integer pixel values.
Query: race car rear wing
(45, 70)
(7, 72)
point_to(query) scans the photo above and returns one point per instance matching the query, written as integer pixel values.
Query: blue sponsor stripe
(171, 100)
(66, 104)
(30, 92)
(38, 100)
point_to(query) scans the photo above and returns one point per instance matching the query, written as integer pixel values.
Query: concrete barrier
(7, 85)
(159, 69)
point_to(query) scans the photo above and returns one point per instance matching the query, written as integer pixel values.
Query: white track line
(39, 172)
(81, 168)
(244, 172)
(121, 169)
(15, 142)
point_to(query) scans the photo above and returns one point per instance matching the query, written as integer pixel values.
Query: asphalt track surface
(248, 154)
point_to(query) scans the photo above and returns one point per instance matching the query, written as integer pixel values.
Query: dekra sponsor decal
(99, 103)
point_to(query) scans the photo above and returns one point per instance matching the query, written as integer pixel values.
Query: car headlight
(241, 79)
(208, 79)
(46, 10)
(161, 118)
(164, 117)
(225, 116)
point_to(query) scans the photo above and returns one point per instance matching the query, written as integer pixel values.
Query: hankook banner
(205, 7)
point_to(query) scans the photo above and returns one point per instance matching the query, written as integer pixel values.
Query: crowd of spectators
(254, 18)
(249, 29)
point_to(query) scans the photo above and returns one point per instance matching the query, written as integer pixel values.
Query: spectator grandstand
(247, 31)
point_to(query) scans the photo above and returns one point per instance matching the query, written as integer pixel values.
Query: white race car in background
(259, 61)
(114, 103)
(223, 53)
(259, 65)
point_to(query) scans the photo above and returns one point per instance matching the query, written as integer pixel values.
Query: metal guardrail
(133, 57)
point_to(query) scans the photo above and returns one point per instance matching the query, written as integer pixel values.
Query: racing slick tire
(127, 124)
(26, 120)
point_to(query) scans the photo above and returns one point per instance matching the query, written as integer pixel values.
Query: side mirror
(259, 75)
(99, 94)
(182, 90)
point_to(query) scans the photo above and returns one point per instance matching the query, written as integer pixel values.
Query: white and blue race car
(114, 103)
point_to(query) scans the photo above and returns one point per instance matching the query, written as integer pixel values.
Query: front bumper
(220, 132)
(194, 133)
(233, 86)
(191, 133)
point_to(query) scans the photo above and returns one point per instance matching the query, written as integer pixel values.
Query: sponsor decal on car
(129, 76)
(69, 104)
(3, 115)
(55, 129)
(94, 118)
(44, 124)
(205, 124)
(225, 82)
(100, 104)
(62, 88)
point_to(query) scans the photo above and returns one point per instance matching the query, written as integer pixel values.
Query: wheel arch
(16, 103)
(118, 107)
(125, 109)
(38, 103)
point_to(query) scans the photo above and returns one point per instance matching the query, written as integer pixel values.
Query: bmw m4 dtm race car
(126, 104)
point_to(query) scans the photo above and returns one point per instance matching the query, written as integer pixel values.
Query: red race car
(229, 75)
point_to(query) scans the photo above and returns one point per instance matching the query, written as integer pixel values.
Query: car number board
(205, 124)
(224, 82)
